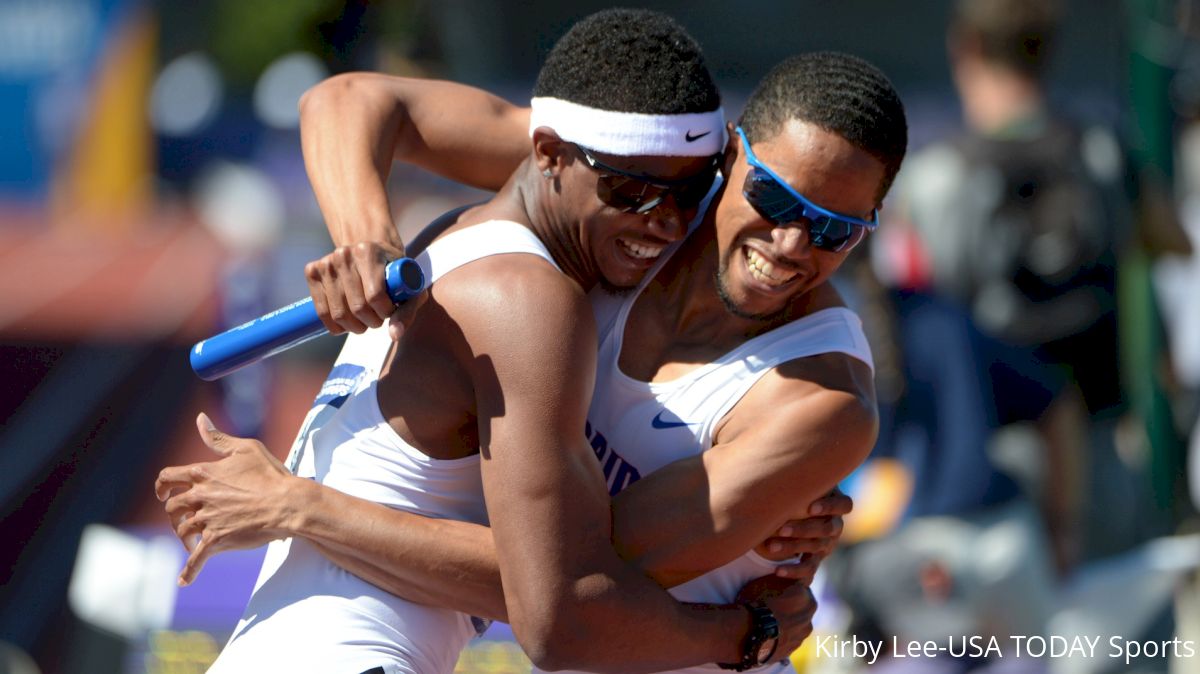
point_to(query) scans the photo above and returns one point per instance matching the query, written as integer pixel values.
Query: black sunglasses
(633, 193)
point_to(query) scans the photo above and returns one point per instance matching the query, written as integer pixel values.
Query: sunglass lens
(778, 205)
(626, 194)
(770, 198)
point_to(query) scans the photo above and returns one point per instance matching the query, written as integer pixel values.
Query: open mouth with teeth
(764, 271)
(640, 250)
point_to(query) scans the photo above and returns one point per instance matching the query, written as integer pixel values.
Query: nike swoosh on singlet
(659, 423)
(691, 139)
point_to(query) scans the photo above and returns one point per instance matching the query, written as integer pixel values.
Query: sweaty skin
(479, 372)
(678, 323)
(771, 459)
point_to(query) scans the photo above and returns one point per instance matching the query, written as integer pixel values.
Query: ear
(732, 145)
(550, 152)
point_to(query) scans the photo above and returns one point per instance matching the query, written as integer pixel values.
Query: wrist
(729, 626)
(377, 229)
(299, 500)
(759, 640)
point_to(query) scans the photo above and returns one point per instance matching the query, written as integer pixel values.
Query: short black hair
(629, 60)
(837, 92)
(1016, 34)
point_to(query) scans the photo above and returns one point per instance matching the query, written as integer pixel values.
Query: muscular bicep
(787, 443)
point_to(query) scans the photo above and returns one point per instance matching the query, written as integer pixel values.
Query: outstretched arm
(248, 498)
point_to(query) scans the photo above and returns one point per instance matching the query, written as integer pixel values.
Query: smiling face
(623, 245)
(762, 267)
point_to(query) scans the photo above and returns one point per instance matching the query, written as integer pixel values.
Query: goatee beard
(732, 307)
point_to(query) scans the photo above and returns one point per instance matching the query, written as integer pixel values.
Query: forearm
(602, 614)
(575, 604)
(348, 133)
(438, 562)
(628, 624)
(702, 512)
(667, 526)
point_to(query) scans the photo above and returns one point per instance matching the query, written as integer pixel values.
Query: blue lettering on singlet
(339, 385)
(618, 473)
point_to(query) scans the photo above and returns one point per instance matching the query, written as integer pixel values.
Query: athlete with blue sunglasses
(733, 387)
(780, 203)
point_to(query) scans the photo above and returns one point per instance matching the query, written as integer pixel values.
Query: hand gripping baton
(286, 327)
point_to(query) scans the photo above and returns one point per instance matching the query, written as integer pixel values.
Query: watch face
(766, 650)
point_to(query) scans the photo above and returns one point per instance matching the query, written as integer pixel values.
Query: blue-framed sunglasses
(779, 203)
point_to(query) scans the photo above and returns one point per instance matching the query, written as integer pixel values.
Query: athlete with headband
(744, 300)
(475, 415)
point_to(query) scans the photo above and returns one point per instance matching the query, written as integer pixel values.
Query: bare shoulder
(509, 301)
(826, 400)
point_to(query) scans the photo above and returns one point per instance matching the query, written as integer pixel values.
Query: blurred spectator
(1017, 222)
(1019, 219)
(1004, 332)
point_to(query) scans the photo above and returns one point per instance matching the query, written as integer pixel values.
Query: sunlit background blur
(152, 192)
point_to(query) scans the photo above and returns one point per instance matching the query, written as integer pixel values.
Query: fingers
(803, 571)
(812, 527)
(314, 277)
(179, 479)
(833, 503)
(779, 549)
(220, 442)
(794, 609)
(189, 530)
(180, 505)
(216, 440)
(402, 317)
(348, 288)
(170, 481)
(195, 561)
(370, 262)
(343, 290)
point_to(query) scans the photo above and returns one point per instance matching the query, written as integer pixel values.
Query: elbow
(542, 643)
(330, 91)
(545, 657)
(555, 657)
(551, 640)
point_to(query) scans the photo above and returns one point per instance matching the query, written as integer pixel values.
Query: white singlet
(636, 427)
(306, 613)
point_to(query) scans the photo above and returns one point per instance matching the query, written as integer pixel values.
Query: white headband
(630, 134)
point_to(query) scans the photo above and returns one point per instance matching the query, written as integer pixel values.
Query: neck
(995, 98)
(537, 206)
(691, 304)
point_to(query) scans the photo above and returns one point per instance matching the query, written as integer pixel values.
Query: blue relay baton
(286, 327)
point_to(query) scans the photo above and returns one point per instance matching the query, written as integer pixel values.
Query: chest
(653, 352)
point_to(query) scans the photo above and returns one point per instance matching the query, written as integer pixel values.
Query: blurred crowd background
(1030, 296)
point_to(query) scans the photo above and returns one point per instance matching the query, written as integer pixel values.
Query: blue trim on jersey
(339, 385)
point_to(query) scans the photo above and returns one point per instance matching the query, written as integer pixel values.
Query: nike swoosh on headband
(691, 139)
(660, 423)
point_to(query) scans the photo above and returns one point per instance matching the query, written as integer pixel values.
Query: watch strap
(763, 627)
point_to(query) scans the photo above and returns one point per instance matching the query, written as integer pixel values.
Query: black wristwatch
(762, 640)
